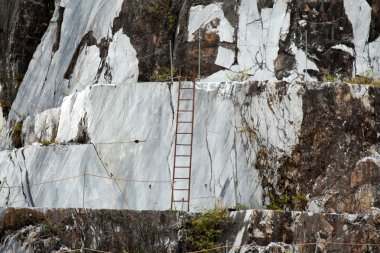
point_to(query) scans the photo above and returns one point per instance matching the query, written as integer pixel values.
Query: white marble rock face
(108, 112)
(44, 85)
(223, 156)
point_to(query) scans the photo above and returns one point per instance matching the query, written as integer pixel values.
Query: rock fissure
(210, 157)
(27, 183)
(104, 66)
(28, 191)
(170, 85)
(61, 11)
(23, 187)
(87, 40)
(235, 173)
(109, 174)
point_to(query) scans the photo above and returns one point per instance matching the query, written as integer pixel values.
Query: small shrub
(204, 231)
(23, 220)
(17, 127)
(171, 20)
(51, 227)
(368, 77)
(48, 142)
(18, 78)
(239, 76)
(163, 75)
(16, 134)
(363, 80)
(330, 78)
(299, 201)
(296, 202)
(163, 7)
(21, 236)
(240, 207)
(278, 202)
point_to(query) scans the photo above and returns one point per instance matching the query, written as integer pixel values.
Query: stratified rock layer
(60, 230)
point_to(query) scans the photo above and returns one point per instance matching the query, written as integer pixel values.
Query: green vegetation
(16, 134)
(23, 220)
(278, 202)
(51, 227)
(171, 21)
(48, 142)
(240, 207)
(296, 202)
(18, 78)
(239, 76)
(21, 236)
(163, 7)
(367, 77)
(363, 80)
(205, 230)
(164, 74)
(299, 201)
(330, 78)
(17, 127)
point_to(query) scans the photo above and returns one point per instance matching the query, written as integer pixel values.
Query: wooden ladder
(183, 149)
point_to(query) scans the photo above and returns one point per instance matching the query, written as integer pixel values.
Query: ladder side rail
(191, 147)
(175, 148)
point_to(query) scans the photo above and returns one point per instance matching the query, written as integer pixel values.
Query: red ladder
(183, 149)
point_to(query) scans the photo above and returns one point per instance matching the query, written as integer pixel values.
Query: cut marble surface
(224, 147)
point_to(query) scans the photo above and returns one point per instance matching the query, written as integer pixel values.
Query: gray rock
(57, 230)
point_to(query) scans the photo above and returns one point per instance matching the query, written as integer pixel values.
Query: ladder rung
(183, 177)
